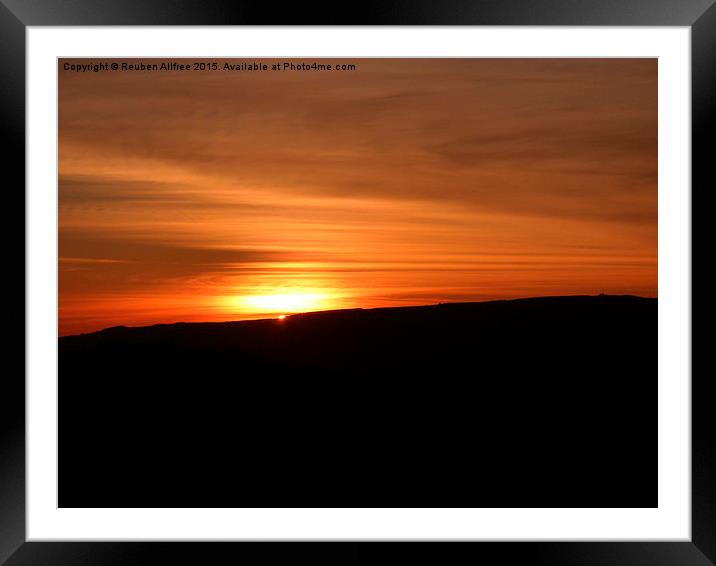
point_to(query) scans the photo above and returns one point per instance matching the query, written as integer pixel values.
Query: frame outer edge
(332, 553)
(365, 12)
(12, 388)
(703, 435)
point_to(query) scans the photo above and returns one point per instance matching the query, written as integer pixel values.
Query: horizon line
(284, 316)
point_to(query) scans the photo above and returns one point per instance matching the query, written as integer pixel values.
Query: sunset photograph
(372, 262)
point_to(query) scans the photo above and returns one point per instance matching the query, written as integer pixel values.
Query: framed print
(354, 280)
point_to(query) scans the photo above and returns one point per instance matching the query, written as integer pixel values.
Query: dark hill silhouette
(545, 402)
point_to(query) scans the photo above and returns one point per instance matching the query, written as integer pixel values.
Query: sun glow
(284, 302)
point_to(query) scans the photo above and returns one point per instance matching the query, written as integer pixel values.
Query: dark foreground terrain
(548, 402)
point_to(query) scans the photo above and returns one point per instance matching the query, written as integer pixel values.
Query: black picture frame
(699, 15)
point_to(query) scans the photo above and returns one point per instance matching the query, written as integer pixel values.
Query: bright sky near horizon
(223, 195)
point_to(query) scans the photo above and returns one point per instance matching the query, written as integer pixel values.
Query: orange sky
(224, 195)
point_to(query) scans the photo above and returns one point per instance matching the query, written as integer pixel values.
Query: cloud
(417, 129)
